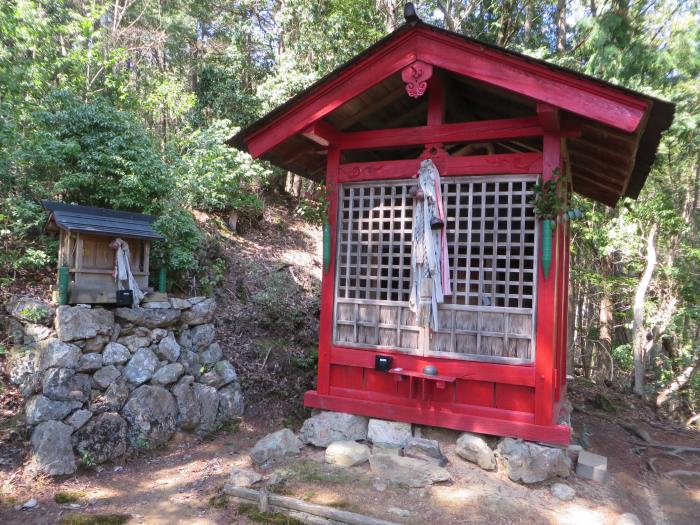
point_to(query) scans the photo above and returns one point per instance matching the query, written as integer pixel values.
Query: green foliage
(252, 512)
(68, 497)
(87, 459)
(182, 238)
(279, 303)
(34, 315)
(548, 197)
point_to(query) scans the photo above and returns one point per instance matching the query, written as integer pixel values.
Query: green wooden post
(63, 284)
(326, 245)
(162, 279)
(546, 246)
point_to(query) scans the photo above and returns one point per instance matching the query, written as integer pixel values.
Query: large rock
(192, 363)
(152, 318)
(231, 403)
(347, 453)
(179, 304)
(220, 375)
(77, 322)
(474, 448)
(391, 432)
(325, 428)
(211, 354)
(31, 310)
(134, 341)
(202, 336)
(425, 449)
(207, 400)
(141, 367)
(33, 333)
(90, 362)
(63, 384)
(532, 463)
(200, 313)
(408, 472)
(21, 362)
(41, 408)
(54, 353)
(168, 348)
(243, 478)
(275, 447)
(115, 354)
(184, 339)
(97, 343)
(52, 452)
(103, 438)
(78, 418)
(13, 329)
(188, 409)
(168, 374)
(113, 398)
(151, 412)
(105, 376)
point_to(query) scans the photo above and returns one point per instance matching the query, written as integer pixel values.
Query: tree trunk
(639, 334)
(605, 313)
(560, 20)
(527, 27)
(679, 382)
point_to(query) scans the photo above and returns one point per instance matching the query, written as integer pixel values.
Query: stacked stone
(101, 381)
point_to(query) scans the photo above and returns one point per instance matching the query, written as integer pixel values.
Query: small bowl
(430, 370)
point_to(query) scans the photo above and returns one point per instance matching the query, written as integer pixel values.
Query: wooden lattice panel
(492, 240)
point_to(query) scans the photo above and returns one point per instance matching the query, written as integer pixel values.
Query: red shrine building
(436, 308)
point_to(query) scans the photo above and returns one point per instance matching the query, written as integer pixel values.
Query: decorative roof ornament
(416, 77)
(409, 13)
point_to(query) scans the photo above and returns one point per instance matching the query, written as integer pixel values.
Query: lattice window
(491, 236)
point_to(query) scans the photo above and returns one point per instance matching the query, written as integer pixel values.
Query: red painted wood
(416, 77)
(442, 417)
(548, 117)
(514, 397)
(443, 133)
(479, 393)
(583, 97)
(419, 405)
(346, 376)
(565, 320)
(471, 370)
(565, 91)
(546, 306)
(322, 133)
(453, 166)
(420, 375)
(380, 382)
(436, 103)
(327, 283)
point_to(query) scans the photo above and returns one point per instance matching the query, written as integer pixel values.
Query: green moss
(219, 501)
(271, 518)
(68, 497)
(94, 519)
(312, 471)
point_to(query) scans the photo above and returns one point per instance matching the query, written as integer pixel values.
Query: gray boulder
(192, 363)
(185, 339)
(152, 318)
(243, 478)
(532, 463)
(200, 313)
(207, 401)
(112, 400)
(474, 448)
(275, 447)
(33, 333)
(78, 418)
(54, 353)
(202, 336)
(63, 384)
(157, 304)
(408, 472)
(347, 453)
(32, 384)
(41, 408)
(141, 367)
(168, 374)
(96, 344)
(105, 376)
(231, 403)
(151, 413)
(13, 329)
(168, 348)
(31, 310)
(115, 354)
(90, 362)
(211, 354)
(325, 428)
(425, 449)
(179, 304)
(220, 375)
(103, 438)
(391, 432)
(77, 322)
(562, 492)
(134, 341)
(188, 409)
(52, 452)
(21, 362)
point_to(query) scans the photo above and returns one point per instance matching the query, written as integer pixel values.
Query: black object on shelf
(125, 297)
(382, 363)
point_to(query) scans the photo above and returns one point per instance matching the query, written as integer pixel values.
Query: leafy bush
(182, 238)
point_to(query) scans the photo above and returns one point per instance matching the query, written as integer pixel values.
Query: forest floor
(268, 321)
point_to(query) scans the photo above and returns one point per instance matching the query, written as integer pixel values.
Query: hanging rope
(430, 267)
(122, 270)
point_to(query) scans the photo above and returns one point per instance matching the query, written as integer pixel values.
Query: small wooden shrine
(493, 123)
(85, 235)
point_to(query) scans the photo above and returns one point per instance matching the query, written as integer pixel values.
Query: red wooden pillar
(327, 284)
(545, 351)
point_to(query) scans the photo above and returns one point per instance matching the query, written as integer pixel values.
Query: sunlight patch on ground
(575, 514)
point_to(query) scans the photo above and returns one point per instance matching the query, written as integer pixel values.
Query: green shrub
(182, 238)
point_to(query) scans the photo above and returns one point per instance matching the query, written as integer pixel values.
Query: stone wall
(101, 381)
